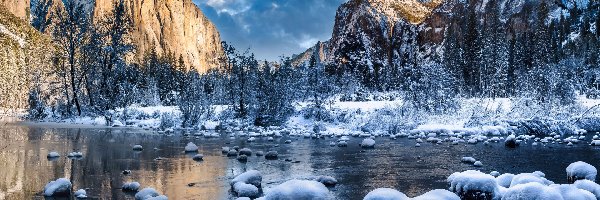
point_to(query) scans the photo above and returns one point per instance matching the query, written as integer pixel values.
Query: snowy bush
(167, 120)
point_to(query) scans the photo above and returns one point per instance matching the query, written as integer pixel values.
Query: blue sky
(272, 28)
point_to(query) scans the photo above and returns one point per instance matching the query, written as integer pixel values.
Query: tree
(70, 35)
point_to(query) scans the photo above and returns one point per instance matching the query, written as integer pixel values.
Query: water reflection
(24, 168)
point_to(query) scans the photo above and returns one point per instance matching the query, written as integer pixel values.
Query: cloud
(272, 27)
(230, 7)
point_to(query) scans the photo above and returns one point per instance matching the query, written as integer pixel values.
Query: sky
(272, 28)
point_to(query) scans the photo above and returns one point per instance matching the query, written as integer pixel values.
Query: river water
(398, 164)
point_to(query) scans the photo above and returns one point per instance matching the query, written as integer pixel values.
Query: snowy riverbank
(473, 116)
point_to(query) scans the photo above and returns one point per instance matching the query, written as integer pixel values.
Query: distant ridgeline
(491, 48)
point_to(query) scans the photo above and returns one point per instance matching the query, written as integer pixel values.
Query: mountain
(177, 27)
(383, 40)
(19, 8)
(171, 27)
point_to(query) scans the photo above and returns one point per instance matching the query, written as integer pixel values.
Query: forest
(549, 61)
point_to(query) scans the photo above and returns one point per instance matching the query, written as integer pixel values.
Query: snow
(149, 194)
(75, 154)
(581, 170)
(368, 143)
(131, 186)
(525, 178)
(438, 195)
(531, 191)
(245, 190)
(473, 181)
(15, 37)
(478, 164)
(53, 155)
(59, 187)
(327, 180)
(198, 157)
(570, 192)
(138, 148)
(470, 160)
(252, 177)
(298, 189)
(80, 194)
(589, 186)
(504, 180)
(385, 194)
(191, 147)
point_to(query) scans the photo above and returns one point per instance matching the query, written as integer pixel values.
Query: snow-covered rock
(81, 194)
(224, 150)
(327, 180)
(117, 123)
(589, 186)
(511, 141)
(252, 177)
(438, 195)
(138, 147)
(581, 170)
(368, 143)
(131, 186)
(469, 182)
(191, 147)
(53, 155)
(198, 157)
(245, 190)
(478, 164)
(504, 180)
(246, 151)
(531, 191)
(570, 192)
(148, 194)
(232, 153)
(469, 160)
(75, 155)
(524, 178)
(59, 187)
(385, 194)
(271, 155)
(298, 189)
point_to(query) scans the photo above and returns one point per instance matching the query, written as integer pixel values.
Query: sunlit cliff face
(414, 11)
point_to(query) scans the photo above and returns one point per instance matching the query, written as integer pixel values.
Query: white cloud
(230, 7)
(307, 42)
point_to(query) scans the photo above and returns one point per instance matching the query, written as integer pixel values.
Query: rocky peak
(414, 11)
(19, 8)
(177, 27)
